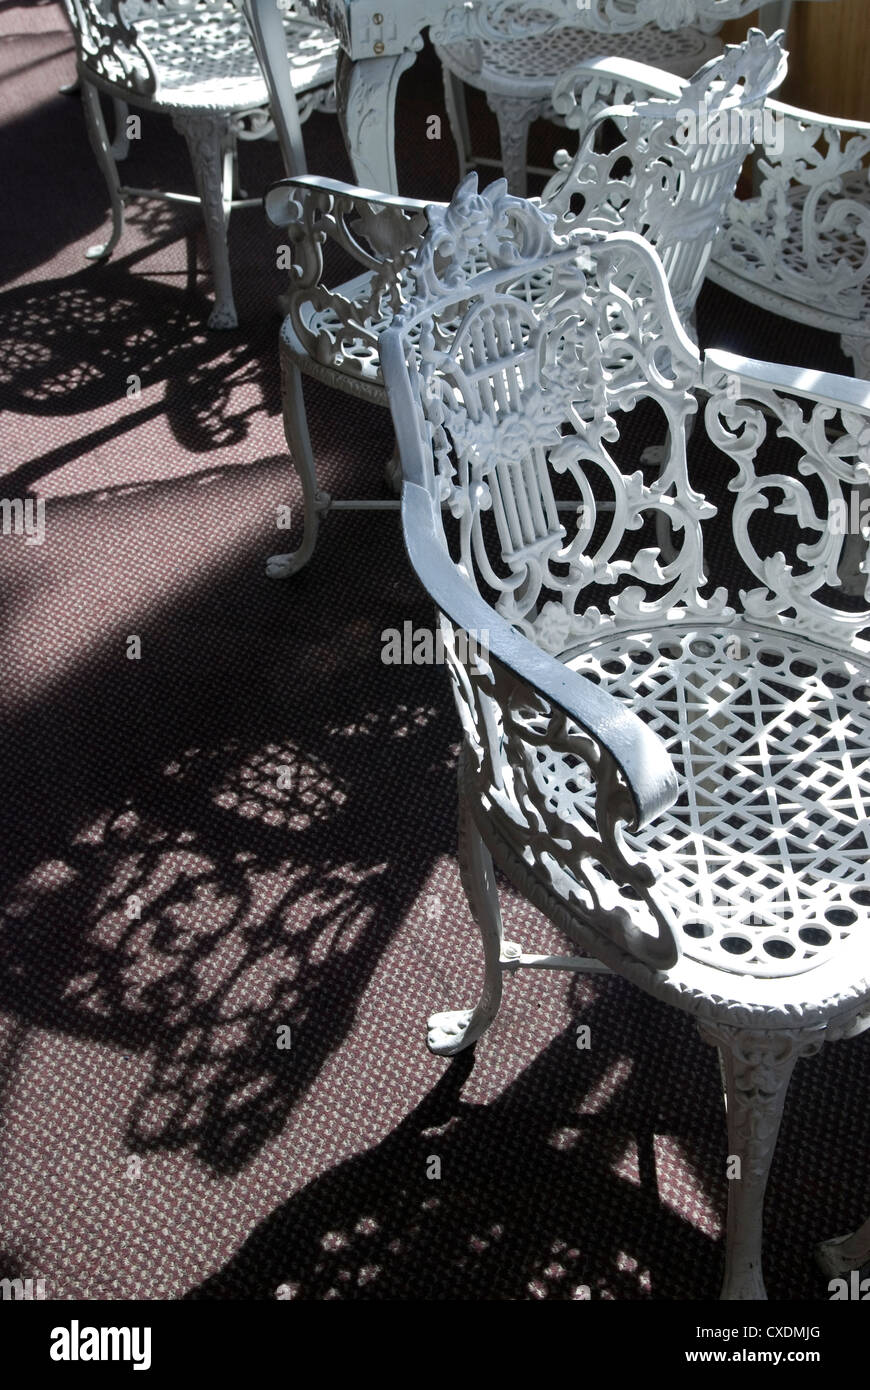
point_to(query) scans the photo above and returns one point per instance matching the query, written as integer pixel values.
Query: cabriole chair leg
(121, 142)
(457, 115)
(102, 147)
(452, 1031)
(302, 456)
(206, 137)
(514, 116)
(757, 1068)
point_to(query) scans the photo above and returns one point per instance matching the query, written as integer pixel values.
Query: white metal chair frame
(800, 246)
(195, 60)
(652, 178)
(678, 776)
(515, 55)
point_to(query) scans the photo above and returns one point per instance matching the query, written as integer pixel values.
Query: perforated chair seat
(530, 66)
(764, 855)
(825, 294)
(209, 61)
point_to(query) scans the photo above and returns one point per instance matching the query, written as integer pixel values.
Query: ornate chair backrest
(509, 372)
(525, 375)
(521, 376)
(673, 170)
(109, 42)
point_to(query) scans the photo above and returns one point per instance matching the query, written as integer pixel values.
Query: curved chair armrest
(380, 232)
(825, 388)
(638, 752)
(781, 108)
(279, 201)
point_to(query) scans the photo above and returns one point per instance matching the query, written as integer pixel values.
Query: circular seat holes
(735, 945)
(614, 667)
(780, 950)
(698, 930)
(835, 680)
(841, 916)
(642, 658)
(767, 657)
(814, 936)
(861, 896)
(803, 669)
(702, 646)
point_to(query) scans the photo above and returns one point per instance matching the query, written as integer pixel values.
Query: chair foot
(449, 1032)
(102, 252)
(283, 566)
(223, 316)
(844, 1253)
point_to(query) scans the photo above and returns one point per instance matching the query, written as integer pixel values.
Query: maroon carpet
(155, 1140)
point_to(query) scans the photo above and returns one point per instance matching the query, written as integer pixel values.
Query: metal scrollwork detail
(835, 460)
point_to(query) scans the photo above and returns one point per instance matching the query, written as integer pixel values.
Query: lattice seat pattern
(208, 59)
(541, 60)
(764, 855)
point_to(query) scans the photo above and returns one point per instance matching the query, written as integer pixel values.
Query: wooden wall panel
(829, 67)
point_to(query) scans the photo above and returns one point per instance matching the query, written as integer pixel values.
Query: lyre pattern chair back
(675, 164)
(521, 372)
(521, 375)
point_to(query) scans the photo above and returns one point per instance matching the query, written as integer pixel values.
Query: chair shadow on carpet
(513, 1213)
(220, 841)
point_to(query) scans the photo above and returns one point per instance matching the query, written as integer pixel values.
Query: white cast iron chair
(193, 59)
(660, 178)
(800, 246)
(678, 776)
(515, 54)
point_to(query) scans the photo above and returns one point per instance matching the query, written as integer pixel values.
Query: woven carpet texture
(279, 807)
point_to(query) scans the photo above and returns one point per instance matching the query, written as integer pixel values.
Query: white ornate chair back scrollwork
(669, 189)
(515, 53)
(800, 246)
(674, 170)
(196, 60)
(673, 766)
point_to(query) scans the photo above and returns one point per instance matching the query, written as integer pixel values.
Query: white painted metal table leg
(457, 115)
(270, 44)
(514, 116)
(102, 147)
(367, 110)
(206, 137)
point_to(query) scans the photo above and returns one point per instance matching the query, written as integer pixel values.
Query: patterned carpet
(156, 1142)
